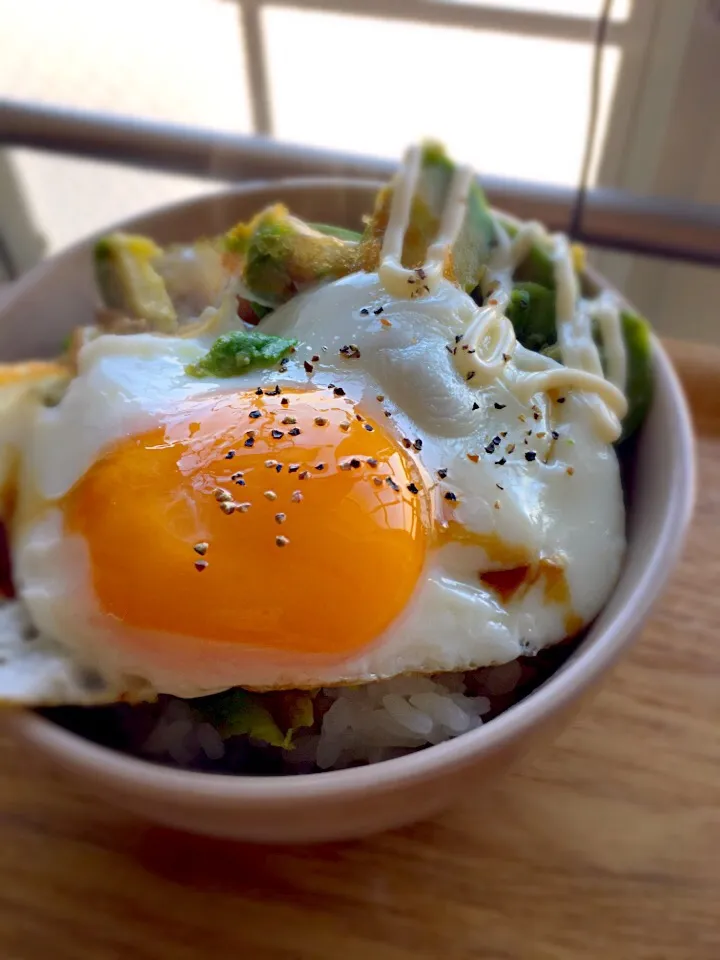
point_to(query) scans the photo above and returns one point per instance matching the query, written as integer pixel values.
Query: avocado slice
(474, 244)
(129, 283)
(280, 254)
(537, 266)
(639, 386)
(238, 351)
(532, 313)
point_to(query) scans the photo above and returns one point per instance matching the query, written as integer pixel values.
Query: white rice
(179, 735)
(364, 724)
(385, 719)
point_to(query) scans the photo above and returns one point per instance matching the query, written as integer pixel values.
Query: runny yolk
(284, 522)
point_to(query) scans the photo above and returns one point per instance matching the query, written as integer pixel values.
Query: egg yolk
(281, 521)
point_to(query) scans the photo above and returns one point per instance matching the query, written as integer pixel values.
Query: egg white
(453, 622)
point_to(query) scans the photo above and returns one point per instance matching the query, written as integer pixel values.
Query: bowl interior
(31, 329)
(60, 294)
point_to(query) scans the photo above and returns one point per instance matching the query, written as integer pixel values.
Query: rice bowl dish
(319, 498)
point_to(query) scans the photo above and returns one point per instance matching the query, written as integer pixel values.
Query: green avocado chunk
(281, 255)
(639, 387)
(532, 312)
(636, 334)
(472, 248)
(272, 718)
(537, 266)
(128, 282)
(238, 351)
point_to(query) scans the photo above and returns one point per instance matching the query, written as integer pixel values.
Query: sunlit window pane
(513, 105)
(569, 8)
(178, 60)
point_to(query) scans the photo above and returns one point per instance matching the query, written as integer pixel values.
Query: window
(171, 60)
(504, 83)
(476, 90)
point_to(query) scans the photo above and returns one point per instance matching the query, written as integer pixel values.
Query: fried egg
(362, 512)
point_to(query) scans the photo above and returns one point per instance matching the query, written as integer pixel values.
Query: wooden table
(607, 846)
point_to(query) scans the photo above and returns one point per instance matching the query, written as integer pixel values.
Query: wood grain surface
(606, 846)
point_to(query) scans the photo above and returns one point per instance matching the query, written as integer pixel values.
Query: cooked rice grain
(362, 724)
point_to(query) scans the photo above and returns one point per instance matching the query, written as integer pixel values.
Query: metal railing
(612, 219)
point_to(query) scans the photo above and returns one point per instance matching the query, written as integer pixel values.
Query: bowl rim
(156, 781)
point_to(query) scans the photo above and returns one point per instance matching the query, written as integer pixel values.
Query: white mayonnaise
(423, 280)
(489, 341)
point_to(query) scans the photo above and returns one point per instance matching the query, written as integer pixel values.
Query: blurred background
(506, 84)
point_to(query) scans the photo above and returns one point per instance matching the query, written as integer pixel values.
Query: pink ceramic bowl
(325, 806)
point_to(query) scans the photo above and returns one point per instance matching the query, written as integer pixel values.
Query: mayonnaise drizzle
(425, 279)
(607, 313)
(489, 342)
